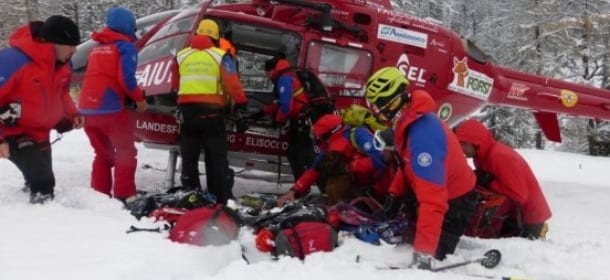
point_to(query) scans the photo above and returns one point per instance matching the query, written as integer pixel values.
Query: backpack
(493, 216)
(215, 225)
(357, 115)
(296, 231)
(320, 101)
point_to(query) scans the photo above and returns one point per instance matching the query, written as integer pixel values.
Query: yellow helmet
(383, 89)
(209, 28)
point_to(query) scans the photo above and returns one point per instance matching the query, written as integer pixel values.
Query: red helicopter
(343, 42)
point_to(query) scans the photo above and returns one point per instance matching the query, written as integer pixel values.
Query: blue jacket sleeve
(284, 84)
(129, 63)
(428, 150)
(364, 140)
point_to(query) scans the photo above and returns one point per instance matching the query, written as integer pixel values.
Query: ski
(489, 260)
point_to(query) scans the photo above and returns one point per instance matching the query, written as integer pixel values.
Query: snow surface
(81, 235)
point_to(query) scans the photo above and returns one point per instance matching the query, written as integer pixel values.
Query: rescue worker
(109, 80)
(496, 165)
(34, 97)
(433, 178)
(206, 75)
(350, 145)
(290, 105)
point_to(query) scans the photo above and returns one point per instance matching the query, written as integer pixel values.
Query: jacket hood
(421, 103)
(107, 35)
(473, 132)
(26, 39)
(281, 65)
(121, 20)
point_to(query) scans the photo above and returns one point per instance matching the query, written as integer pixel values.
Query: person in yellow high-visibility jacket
(205, 76)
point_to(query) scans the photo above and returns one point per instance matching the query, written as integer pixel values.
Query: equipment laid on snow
(216, 225)
(299, 229)
(362, 218)
(495, 216)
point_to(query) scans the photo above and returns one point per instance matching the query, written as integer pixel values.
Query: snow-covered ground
(81, 235)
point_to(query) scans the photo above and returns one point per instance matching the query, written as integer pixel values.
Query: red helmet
(327, 125)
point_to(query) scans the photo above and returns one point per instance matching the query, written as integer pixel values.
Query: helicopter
(343, 42)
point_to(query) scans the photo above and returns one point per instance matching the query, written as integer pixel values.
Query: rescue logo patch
(424, 159)
(367, 146)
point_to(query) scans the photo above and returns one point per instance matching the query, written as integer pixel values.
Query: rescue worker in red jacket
(34, 96)
(206, 75)
(433, 170)
(355, 144)
(290, 106)
(496, 165)
(109, 80)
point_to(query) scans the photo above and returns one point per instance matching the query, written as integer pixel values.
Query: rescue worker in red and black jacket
(496, 165)
(206, 75)
(290, 105)
(433, 170)
(35, 74)
(109, 81)
(355, 144)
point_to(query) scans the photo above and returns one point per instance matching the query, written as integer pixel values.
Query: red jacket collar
(107, 35)
(280, 66)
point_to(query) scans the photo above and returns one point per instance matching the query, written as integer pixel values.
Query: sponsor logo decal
(412, 73)
(470, 82)
(517, 92)
(568, 98)
(403, 36)
(445, 111)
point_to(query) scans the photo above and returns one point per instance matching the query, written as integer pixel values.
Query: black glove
(241, 107)
(255, 116)
(483, 178)
(64, 125)
(391, 206)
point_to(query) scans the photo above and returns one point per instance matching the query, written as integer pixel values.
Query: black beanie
(60, 30)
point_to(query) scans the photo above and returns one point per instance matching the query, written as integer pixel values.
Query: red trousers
(112, 139)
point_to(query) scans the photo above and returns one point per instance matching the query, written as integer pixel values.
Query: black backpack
(320, 101)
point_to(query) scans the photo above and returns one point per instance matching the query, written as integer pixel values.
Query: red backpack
(212, 225)
(298, 230)
(492, 216)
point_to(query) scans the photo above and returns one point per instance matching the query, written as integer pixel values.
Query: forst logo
(470, 82)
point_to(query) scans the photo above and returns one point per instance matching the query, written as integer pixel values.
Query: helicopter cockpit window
(340, 68)
(474, 51)
(162, 48)
(178, 25)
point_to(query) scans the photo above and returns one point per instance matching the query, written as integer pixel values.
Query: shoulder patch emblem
(424, 159)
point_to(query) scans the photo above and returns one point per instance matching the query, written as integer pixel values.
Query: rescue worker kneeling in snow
(433, 179)
(206, 73)
(345, 152)
(496, 165)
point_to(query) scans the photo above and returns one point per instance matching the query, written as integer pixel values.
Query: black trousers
(300, 152)
(456, 220)
(202, 126)
(34, 160)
